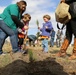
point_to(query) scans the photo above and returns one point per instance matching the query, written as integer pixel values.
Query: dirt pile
(46, 67)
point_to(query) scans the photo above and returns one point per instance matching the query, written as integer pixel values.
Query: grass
(32, 58)
(4, 60)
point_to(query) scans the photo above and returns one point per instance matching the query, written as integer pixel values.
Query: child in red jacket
(22, 33)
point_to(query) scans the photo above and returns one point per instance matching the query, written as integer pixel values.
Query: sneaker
(72, 57)
(60, 54)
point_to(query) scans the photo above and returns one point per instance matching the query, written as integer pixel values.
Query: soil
(38, 63)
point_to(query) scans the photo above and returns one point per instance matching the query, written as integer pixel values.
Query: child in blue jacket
(46, 29)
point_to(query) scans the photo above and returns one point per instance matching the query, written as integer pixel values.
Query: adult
(32, 39)
(70, 30)
(52, 38)
(9, 21)
(59, 38)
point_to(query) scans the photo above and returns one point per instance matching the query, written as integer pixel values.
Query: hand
(26, 27)
(23, 32)
(46, 27)
(38, 27)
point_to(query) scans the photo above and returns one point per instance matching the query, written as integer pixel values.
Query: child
(22, 33)
(46, 29)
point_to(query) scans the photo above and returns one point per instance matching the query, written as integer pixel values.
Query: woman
(70, 30)
(9, 21)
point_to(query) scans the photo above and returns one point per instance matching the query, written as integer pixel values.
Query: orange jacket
(21, 35)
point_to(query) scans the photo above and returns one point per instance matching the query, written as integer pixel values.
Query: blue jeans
(5, 31)
(52, 41)
(45, 45)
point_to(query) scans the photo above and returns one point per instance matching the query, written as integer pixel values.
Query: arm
(40, 28)
(49, 26)
(19, 30)
(67, 1)
(17, 21)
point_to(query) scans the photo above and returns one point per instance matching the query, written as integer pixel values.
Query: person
(9, 21)
(46, 29)
(52, 38)
(70, 30)
(59, 38)
(32, 39)
(22, 33)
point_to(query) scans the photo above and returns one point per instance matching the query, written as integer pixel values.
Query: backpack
(61, 13)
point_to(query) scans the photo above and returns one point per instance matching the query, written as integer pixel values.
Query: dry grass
(40, 60)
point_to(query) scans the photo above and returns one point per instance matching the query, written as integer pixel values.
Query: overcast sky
(36, 8)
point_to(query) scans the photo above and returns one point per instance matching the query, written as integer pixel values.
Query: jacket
(69, 1)
(6, 15)
(72, 8)
(46, 32)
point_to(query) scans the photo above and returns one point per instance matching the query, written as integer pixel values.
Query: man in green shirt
(9, 21)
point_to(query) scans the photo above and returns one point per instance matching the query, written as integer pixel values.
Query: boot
(73, 56)
(63, 49)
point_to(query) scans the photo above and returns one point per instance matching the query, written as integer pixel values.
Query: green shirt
(6, 15)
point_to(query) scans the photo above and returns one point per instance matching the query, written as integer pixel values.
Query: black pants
(20, 42)
(71, 29)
